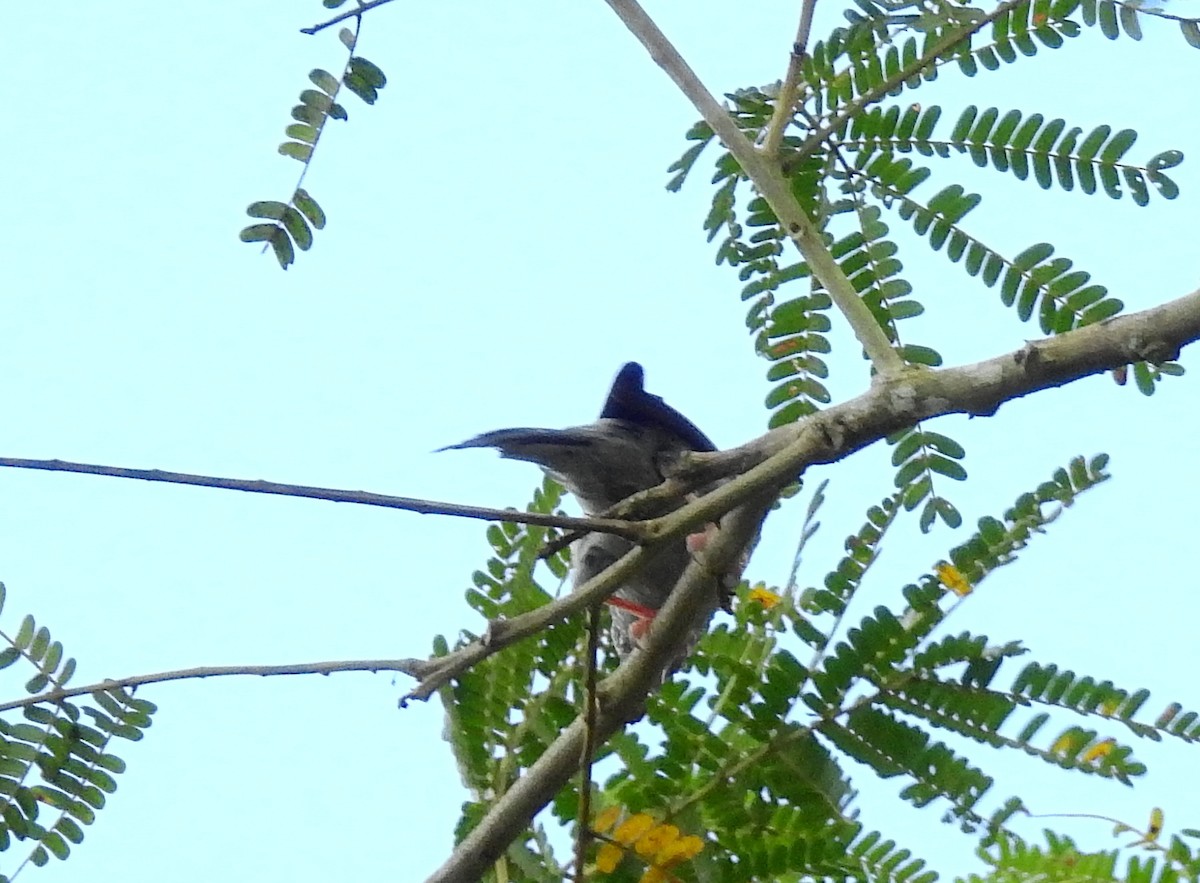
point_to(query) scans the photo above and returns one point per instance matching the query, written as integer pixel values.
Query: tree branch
(785, 102)
(1153, 335)
(436, 671)
(772, 461)
(209, 671)
(763, 465)
(353, 13)
(627, 529)
(768, 179)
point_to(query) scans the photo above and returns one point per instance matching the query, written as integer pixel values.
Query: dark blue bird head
(629, 401)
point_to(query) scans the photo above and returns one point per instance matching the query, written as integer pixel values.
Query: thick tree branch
(622, 698)
(768, 178)
(627, 529)
(209, 671)
(1154, 335)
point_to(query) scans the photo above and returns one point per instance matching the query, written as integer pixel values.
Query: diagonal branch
(770, 182)
(772, 461)
(785, 102)
(626, 529)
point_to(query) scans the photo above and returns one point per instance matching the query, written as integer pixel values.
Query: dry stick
(769, 180)
(785, 102)
(209, 671)
(583, 823)
(627, 529)
(636, 507)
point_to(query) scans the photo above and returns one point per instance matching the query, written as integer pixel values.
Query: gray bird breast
(650, 587)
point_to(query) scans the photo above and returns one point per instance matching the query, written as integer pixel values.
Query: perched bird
(630, 448)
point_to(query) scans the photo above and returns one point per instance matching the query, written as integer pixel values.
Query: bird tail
(541, 446)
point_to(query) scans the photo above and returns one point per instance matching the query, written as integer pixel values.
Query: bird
(629, 448)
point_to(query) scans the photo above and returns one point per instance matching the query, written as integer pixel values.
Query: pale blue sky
(499, 242)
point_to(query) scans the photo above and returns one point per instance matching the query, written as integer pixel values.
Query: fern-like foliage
(919, 454)
(56, 766)
(1011, 858)
(846, 160)
(1117, 17)
(749, 749)
(744, 755)
(289, 225)
(503, 713)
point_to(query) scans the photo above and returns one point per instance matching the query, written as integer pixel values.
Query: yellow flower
(1066, 742)
(679, 851)
(953, 579)
(764, 596)
(1101, 749)
(633, 828)
(608, 858)
(606, 818)
(656, 839)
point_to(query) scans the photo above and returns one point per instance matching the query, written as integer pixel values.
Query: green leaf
(324, 81)
(297, 227)
(1032, 256)
(296, 150)
(25, 633)
(267, 209)
(309, 208)
(8, 656)
(302, 132)
(1191, 33)
(368, 72)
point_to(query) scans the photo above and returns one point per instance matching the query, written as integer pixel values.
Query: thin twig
(436, 671)
(785, 102)
(356, 11)
(769, 181)
(626, 529)
(583, 828)
(209, 671)
(651, 502)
